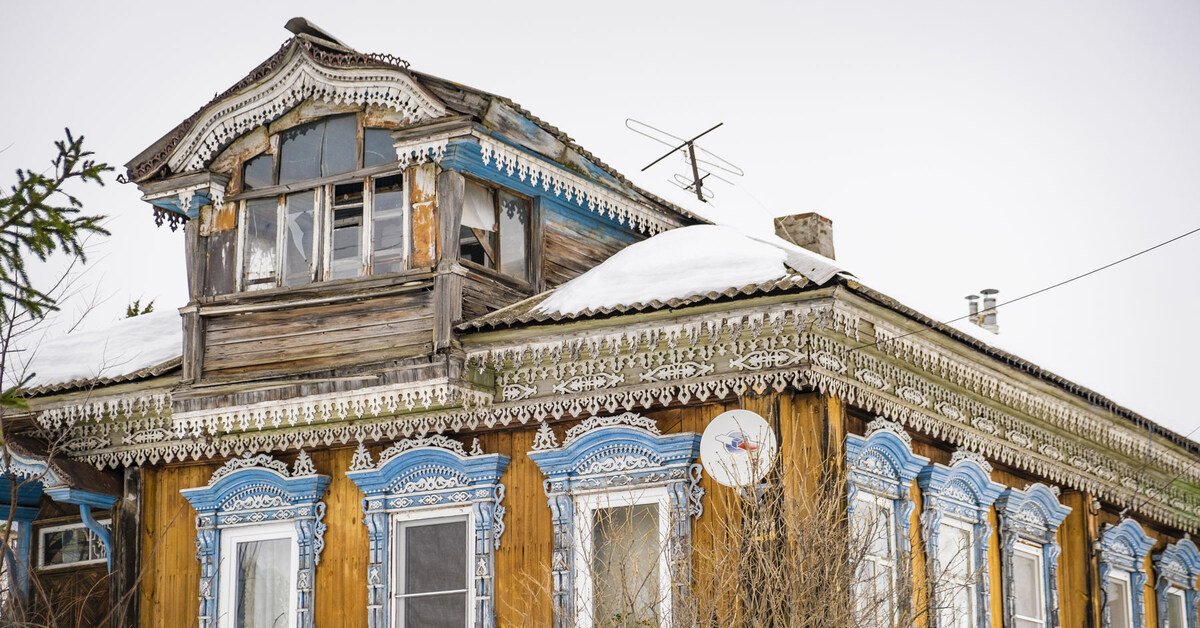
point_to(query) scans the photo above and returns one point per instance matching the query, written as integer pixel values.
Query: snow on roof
(113, 353)
(683, 263)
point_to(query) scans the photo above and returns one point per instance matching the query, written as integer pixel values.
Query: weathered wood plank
(423, 201)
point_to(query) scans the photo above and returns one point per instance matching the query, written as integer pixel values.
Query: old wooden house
(431, 341)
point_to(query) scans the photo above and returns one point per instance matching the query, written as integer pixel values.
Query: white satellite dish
(738, 448)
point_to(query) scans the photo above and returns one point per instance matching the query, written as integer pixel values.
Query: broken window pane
(477, 238)
(300, 152)
(258, 259)
(378, 147)
(514, 236)
(258, 172)
(298, 239)
(346, 258)
(340, 149)
(388, 228)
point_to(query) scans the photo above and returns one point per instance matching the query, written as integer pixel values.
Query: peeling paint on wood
(423, 199)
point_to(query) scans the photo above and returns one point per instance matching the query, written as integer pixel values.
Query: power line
(1040, 291)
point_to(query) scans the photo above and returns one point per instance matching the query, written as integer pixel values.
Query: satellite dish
(738, 448)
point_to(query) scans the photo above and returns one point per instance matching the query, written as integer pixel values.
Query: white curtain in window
(263, 583)
(479, 212)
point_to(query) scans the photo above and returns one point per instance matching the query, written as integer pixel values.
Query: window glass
(1175, 612)
(625, 564)
(258, 262)
(298, 239)
(387, 232)
(1118, 602)
(957, 564)
(263, 583)
(514, 238)
(70, 545)
(477, 242)
(1028, 586)
(340, 149)
(347, 231)
(300, 152)
(258, 172)
(378, 147)
(873, 522)
(434, 575)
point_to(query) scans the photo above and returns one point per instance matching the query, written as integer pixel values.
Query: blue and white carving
(426, 474)
(256, 490)
(883, 465)
(1033, 516)
(964, 491)
(1178, 566)
(617, 454)
(1124, 547)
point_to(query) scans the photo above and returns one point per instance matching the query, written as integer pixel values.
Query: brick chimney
(811, 231)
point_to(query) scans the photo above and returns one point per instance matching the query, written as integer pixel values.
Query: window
(296, 234)
(1120, 601)
(258, 577)
(1175, 606)
(70, 545)
(433, 585)
(1030, 587)
(1029, 552)
(259, 538)
(619, 540)
(434, 512)
(875, 584)
(626, 577)
(958, 582)
(9, 560)
(495, 230)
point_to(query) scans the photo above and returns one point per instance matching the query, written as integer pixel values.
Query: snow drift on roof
(682, 263)
(118, 350)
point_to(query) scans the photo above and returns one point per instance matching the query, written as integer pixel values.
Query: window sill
(316, 292)
(480, 271)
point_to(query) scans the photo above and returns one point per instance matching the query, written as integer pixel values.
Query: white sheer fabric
(263, 584)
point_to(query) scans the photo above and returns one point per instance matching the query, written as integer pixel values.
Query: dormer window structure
(495, 230)
(324, 206)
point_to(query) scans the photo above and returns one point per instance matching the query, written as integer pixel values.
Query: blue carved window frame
(1030, 516)
(883, 465)
(1178, 567)
(1123, 547)
(259, 491)
(432, 477)
(964, 492)
(616, 456)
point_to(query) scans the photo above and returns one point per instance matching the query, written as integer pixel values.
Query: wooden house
(426, 330)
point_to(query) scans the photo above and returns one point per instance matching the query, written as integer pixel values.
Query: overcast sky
(955, 145)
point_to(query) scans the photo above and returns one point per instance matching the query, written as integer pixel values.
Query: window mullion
(367, 232)
(280, 238)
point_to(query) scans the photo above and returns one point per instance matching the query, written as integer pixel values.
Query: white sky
(955, 145)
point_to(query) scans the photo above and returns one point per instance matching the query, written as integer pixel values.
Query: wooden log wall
(811, 429)
(574, 242)
(320, 336)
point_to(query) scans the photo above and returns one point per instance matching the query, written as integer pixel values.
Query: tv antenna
(703, 163)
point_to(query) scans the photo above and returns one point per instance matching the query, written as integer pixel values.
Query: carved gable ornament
(256, 490)
(298, 72)
(427, 474)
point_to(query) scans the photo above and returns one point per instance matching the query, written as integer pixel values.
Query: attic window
(336, 227)
(495, 230)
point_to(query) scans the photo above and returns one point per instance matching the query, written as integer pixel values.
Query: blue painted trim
(248, 491)
(1124, 547)
(85, 512)
(883, 464)
(430, 478)
(965, 492)
(1178, 566)
(1031, 515)
(173, 204)
(617, 453)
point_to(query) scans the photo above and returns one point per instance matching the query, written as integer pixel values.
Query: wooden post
(126, 560)
(451, 186)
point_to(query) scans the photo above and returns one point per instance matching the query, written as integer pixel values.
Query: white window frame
(400, 521)
(1123, 578)
(1035, 552)
(43, 532)
(227, 578)
(1181, 595)
(884, 505)
(972, 582)
(586, 504)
